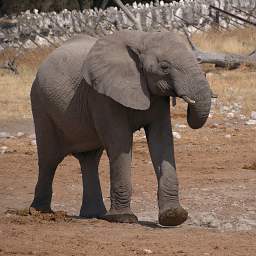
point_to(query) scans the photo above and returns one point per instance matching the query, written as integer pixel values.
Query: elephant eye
(165, 66)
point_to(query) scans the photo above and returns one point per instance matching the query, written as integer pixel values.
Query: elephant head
(130, 67)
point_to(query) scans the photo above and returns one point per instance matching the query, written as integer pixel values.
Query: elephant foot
(173, 216)
(92, 214)
(37, 210)
(128, 217)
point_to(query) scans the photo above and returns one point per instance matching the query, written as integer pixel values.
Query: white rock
(253, 115)
(134, 5)
(5, 135)
(209, 220)
(33, 142)
(242, 117)
(32, 136)
(230, 115)
(243, 227)
(227, 226)
(3, 149)
(176, 135)
(213, 101)
(148, 251)
(180, 126)
(20, 134)
(228, 136)
(215, 125)
(225, 108)
(251, 122)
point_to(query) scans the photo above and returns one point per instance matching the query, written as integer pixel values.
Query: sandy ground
(217, 172)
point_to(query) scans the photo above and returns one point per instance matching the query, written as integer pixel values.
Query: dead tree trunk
(228, 60)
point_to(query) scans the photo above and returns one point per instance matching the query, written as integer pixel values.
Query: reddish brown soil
(217, 185)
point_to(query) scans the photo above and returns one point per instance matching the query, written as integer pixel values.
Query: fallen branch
(229, 60)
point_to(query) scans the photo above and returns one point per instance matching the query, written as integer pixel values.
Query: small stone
(243, 227)
(230, 115)
(228, 136)
(225, 108)
(33, 142)
(228, 226)
(32, 136)
(214, 125)
(5, 135)
(242, 117)
(20, 134)
(213, 100)
(176, 135)
(209, 220)
(250, 122)
(148, 251)
(3, 149)
(253, 115)
(180, 126)
(210, 75)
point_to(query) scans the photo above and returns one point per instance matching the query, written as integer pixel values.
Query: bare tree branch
(229, 60)
(129, 14)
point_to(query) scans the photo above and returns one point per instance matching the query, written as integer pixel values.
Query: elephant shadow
(143, 223)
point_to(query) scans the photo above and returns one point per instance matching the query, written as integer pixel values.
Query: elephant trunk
(198, 110)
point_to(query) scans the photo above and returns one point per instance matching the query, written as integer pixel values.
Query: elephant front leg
(120, 189)
(160, 143)
(112, 124)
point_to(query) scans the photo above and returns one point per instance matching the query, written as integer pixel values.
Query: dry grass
(14, 97)
(15, 89)
(237, 85)
(242, 41)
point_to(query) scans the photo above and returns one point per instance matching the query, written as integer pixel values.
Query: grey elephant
(93, 94)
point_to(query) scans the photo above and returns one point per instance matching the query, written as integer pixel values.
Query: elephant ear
(112, 69)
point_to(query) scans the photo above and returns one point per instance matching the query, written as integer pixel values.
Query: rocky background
(35, 28)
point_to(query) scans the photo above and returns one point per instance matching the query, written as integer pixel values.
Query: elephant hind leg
(92, 203)
(50, 154)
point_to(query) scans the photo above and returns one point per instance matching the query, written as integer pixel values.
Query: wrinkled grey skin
(91, 95)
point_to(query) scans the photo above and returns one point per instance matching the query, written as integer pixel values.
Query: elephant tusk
(188, 100)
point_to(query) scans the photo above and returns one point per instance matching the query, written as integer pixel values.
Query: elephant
(91, 95)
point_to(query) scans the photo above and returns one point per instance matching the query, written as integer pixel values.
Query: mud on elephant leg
(92, 204)
(160, 142)
(170, 211)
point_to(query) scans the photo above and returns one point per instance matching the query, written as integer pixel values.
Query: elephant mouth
(167, 89)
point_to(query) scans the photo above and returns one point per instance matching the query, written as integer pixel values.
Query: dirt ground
(216, 166)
